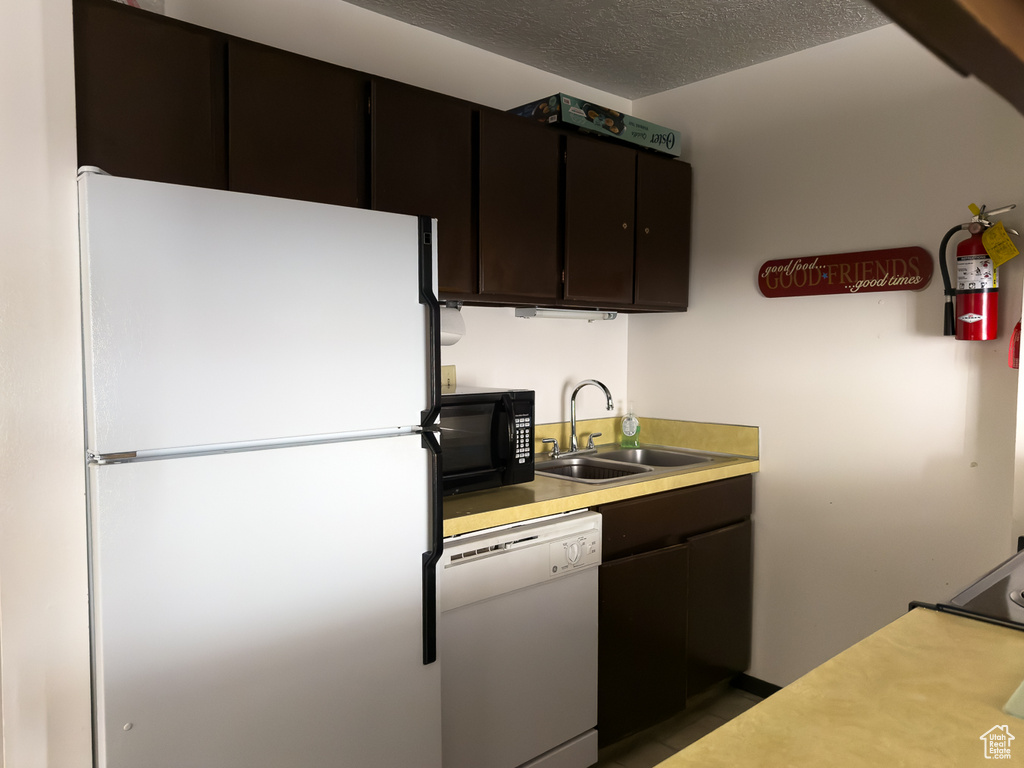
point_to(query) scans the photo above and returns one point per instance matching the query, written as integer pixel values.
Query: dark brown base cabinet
(719, 606)
(641, 641)
(675, 605)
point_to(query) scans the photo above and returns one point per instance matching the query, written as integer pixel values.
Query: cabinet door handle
(625, 225)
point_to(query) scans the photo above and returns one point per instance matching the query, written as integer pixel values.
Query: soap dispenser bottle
(630, 429)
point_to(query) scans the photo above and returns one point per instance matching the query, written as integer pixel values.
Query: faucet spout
(573, 442)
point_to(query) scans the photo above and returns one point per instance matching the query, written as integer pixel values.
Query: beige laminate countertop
(465, 513)
(920, 692)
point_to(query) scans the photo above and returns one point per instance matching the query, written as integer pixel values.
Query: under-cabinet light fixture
(590, 315)
(453, 327)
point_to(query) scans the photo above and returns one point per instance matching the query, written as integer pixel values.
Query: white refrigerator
(261, 385)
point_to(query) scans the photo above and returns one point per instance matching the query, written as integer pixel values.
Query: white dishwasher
(518, 645)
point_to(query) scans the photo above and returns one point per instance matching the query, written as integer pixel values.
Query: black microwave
(486, 438)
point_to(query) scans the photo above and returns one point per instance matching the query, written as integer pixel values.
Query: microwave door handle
(505, 434)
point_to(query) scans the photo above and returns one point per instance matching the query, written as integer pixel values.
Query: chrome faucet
(573, 443)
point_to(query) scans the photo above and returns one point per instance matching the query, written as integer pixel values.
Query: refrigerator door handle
(428, 418)
(431, 557)
(429, 424)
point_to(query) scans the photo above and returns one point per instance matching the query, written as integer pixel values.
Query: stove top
(998, 596)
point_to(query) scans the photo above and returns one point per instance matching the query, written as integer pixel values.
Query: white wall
(886, 449)
(549, 356)
(44, 640)
(344, 34)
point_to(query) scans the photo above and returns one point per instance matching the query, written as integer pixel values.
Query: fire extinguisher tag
(998, 244)
(976, 274)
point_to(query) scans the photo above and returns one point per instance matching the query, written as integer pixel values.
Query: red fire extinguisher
(974, 316)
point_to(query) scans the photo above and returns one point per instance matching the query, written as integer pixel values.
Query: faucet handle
(590, 440)
(554, 449)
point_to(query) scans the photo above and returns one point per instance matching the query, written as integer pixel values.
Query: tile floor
(660, 742)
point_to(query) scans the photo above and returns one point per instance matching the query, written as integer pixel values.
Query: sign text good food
(889, 269)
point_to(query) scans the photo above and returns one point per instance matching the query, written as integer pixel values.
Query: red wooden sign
(889, 269)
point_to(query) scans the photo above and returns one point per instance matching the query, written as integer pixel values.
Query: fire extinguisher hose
(949, 320)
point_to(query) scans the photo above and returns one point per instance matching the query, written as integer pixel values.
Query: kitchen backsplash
(548, 356)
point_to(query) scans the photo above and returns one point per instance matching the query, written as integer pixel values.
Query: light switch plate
(447, 379)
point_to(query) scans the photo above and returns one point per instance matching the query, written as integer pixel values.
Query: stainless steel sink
(655, 457)
(611, 463)
(588, 469)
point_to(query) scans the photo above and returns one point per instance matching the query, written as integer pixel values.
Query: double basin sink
(609, 464)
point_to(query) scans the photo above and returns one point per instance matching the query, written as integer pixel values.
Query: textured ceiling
(634, 48)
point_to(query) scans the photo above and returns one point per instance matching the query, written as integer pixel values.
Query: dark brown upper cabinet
(297, 127)
(527, 214)
(422, 163)
(149, 94)
(520, 209)
(600, 198)
(663, 194)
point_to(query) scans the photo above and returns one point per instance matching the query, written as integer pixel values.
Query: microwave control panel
(523, 443)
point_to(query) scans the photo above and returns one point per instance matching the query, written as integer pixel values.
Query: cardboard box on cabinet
(587, 116)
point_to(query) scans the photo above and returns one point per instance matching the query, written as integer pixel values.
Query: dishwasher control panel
(486, 564)
(575, 552)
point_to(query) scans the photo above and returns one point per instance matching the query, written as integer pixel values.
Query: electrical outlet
(447, 379)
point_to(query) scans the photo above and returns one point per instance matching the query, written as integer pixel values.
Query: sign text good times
(889, 269)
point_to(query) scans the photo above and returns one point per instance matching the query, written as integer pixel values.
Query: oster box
(587, 116)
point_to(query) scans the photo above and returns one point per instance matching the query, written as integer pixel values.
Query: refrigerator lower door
(263, 609)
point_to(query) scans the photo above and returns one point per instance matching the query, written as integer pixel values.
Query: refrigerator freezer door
(218, 317)
(262, 609)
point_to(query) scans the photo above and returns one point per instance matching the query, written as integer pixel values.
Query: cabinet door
(422, 163)
(720, 606)
(663, 192)
(519, 208)
(600, 184)
(641, 641)
(149, 95)
(297, 126)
